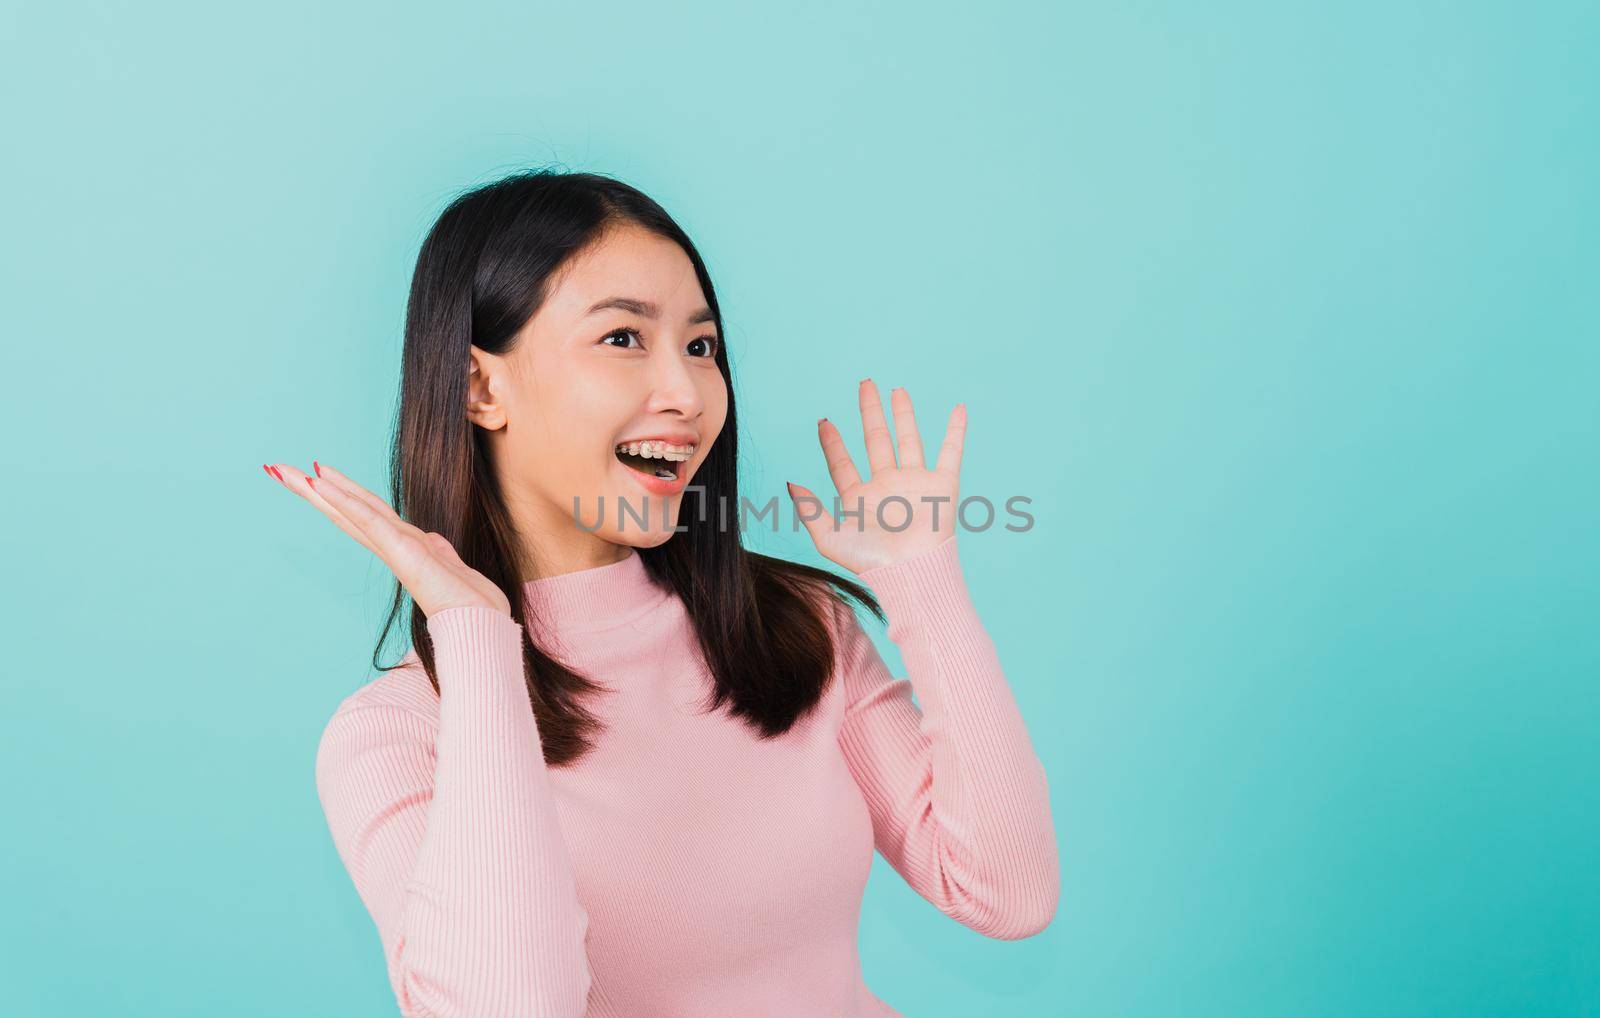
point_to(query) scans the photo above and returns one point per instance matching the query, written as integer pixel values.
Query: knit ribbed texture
(958, 796)
(686, 866)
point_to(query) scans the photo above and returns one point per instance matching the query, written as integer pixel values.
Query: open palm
(905, 507)
(425, 563)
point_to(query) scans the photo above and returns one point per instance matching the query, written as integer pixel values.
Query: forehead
(626, 261)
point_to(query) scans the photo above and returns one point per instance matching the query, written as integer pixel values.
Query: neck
(594, 597)
(553, 538)
(552, 559)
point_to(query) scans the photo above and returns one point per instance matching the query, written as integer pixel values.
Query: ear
(485, 377)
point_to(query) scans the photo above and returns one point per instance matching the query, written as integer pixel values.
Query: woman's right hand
(425, 563)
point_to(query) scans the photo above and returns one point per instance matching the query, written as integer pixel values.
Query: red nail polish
(317, 467)
(278, 474)
(267, 469)
(312, 481)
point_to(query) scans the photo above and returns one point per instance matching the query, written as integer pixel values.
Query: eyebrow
(647, 309)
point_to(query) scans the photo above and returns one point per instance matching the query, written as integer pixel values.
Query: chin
(635, 535)
(636, 538)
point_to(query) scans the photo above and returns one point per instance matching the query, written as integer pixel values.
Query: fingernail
(279, 475)
(864, 381)
(317, 467)
(267, 469)
(821, 421)
(312, 481)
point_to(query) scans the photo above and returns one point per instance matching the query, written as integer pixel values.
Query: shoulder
(404, 687)
(823, 602)
(839, 616)
(833, 608)
(379, 741)
(377, 748)
(831, 602)
(399, 704)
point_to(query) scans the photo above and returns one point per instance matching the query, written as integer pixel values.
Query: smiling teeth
(658, 450)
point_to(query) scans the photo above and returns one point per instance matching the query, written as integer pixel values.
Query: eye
(707, 345)
(620, 333)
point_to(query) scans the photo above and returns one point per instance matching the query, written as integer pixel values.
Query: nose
(673, 387)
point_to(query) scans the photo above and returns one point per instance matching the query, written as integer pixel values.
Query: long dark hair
(482, 273)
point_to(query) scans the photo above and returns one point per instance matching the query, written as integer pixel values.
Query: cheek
(576, 398)
(716, 405)
(567, 427)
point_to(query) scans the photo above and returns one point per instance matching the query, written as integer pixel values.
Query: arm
(958, 798)
(452, 836)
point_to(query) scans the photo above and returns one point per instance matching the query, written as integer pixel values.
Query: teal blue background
(1284, 315)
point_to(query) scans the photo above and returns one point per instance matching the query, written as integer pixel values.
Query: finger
(820, 526)
(880, 446)
(840, 466)
(955, 437)
(299, 482)
(378, 504)
(399, 550)
(907, 440)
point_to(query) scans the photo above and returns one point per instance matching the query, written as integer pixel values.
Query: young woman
(629, 767)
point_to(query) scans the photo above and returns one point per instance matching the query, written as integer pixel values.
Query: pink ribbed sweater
(684, 867)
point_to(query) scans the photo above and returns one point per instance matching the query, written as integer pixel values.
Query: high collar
(595, 598)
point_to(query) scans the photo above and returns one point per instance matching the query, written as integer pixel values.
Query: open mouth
(651, 466)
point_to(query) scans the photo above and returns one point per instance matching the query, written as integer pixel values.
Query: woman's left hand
(921, 501)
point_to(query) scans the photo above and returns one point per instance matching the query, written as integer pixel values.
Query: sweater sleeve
(959, 802)
(451, 834)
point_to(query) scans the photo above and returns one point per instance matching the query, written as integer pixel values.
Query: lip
(671, 438)
(657, 485)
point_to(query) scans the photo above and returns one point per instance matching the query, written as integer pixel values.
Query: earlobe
(486, 414)
(482, 408)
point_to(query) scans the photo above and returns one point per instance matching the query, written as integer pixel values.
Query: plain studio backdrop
(1282, 315)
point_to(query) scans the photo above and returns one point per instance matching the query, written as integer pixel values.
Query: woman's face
(622, 351)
